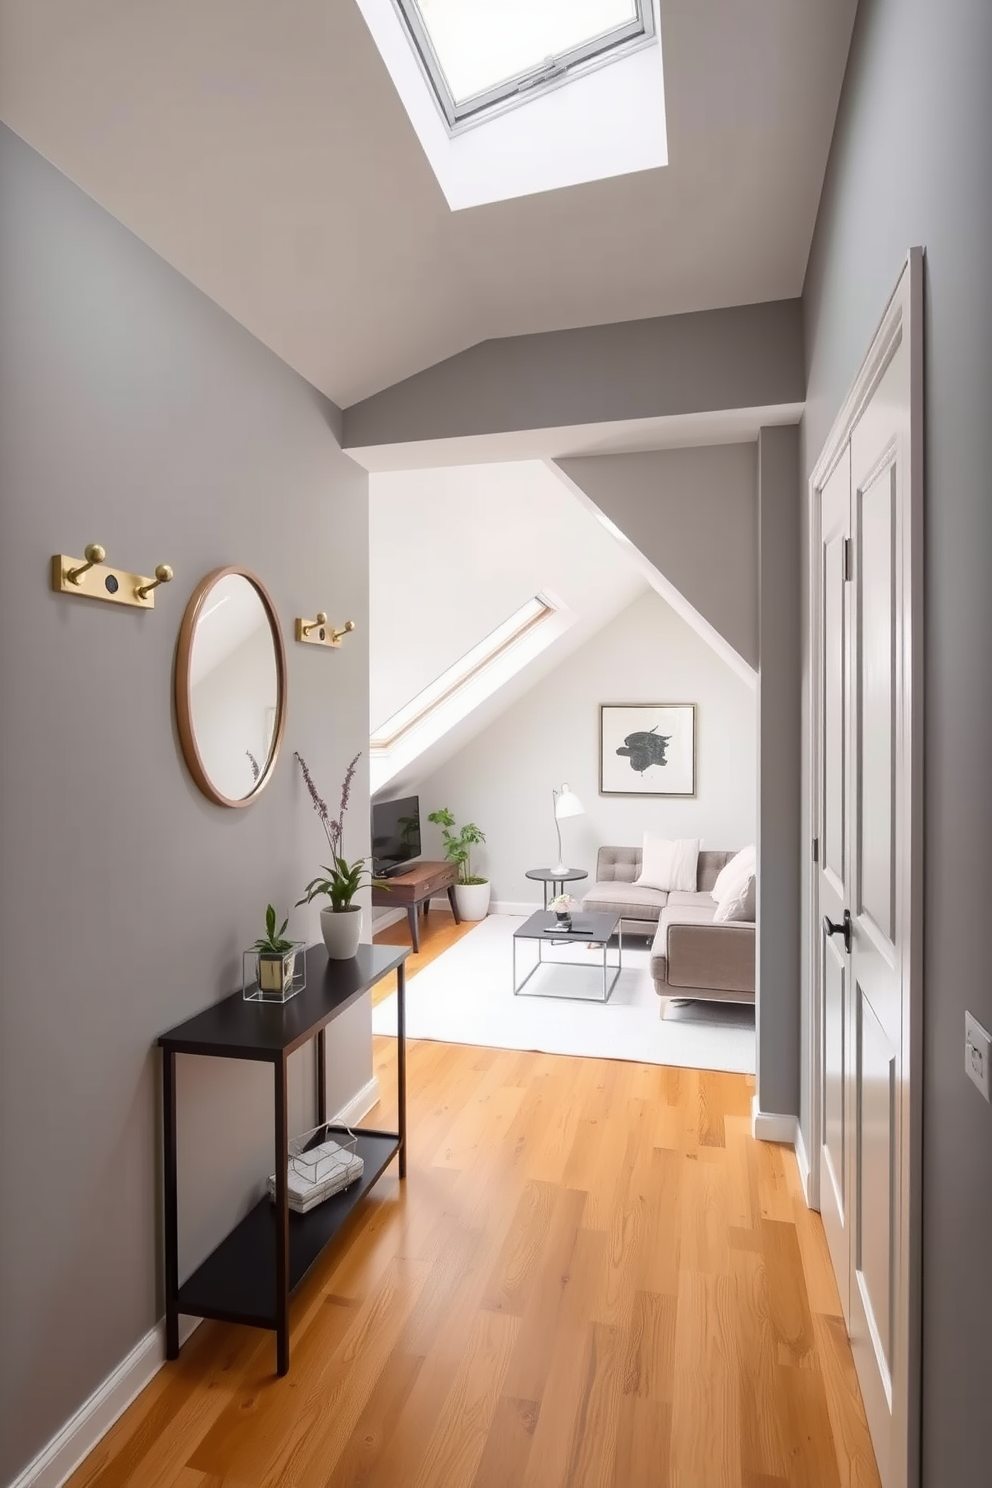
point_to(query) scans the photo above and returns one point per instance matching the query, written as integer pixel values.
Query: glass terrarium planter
(273, 976)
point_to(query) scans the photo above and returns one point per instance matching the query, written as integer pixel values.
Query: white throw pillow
(669, 866)
(738, 903)
(737, 870)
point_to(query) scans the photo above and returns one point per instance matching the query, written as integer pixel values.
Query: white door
(866, 884)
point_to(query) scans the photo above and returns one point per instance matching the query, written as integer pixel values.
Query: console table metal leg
(282, 1216)
(171, 1184)
(320, 1076)
(401, 1061)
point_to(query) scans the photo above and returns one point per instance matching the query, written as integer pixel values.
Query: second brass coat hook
(317, 632)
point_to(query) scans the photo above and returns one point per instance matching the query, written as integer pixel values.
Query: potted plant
(341, 919)
(471, 892)
(563, 904)
(276, 956)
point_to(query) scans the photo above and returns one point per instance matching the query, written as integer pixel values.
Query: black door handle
(844, 928)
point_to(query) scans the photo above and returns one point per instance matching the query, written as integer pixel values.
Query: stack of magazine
(319, 1172)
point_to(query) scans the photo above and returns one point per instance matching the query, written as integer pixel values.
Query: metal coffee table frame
(603, 928)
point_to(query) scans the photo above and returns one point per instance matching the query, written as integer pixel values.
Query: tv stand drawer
(419, 883)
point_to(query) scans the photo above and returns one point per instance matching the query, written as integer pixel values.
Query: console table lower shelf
(238, 1283)
(251, 1275)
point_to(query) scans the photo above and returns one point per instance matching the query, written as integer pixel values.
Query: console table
(251, 1274)
(414, 888)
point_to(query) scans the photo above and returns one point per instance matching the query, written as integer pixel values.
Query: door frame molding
(902, 318)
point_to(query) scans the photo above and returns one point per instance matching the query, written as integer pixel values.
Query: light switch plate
(977, 1054)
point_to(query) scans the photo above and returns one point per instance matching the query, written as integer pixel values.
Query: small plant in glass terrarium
(276, 960)
(563, 904)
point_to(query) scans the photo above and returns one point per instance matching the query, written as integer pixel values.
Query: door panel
(834, 1070)
(876, 1181)
(834, 703)
(876, 724)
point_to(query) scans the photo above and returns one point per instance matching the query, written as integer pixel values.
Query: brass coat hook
(316, 632)
(163, 575)
(93, 554)
(93, 578)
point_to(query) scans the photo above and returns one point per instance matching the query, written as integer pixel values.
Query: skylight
(464, 671)
(481, 56)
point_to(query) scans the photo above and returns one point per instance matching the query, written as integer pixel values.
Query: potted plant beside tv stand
(414, 888)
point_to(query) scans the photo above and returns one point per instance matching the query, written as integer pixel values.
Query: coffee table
(593, 929)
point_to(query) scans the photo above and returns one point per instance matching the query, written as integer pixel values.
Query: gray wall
(749, 356)
(693, 513)
(911, 164)
(779, 713)
(135, 413)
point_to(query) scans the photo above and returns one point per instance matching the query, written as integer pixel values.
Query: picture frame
(647, 749)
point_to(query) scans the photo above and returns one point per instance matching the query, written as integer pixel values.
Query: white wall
(453, 552)
(503, 779)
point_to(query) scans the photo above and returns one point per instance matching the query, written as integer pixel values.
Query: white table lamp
(567, 803)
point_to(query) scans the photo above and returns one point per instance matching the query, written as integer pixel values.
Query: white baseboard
(95, 1416)
(508, 907)
(440, 904)
(768, 1126)
(382, 919)
(803, 1161)
(360, 1104)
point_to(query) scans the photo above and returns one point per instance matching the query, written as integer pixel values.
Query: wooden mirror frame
(184, 702)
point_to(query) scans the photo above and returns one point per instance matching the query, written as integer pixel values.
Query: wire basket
(320, 1154)
(320, 1163)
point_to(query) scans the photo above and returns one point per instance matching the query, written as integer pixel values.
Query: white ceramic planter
(342, 930)
(472, 900)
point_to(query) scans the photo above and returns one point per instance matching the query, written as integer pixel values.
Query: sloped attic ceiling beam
(689, 519)
(745, 357)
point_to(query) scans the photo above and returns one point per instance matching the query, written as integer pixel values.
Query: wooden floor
(593, 1276)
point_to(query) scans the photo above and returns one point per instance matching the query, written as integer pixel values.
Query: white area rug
(466, 997)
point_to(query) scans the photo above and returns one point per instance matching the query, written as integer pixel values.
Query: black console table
(251, 1274)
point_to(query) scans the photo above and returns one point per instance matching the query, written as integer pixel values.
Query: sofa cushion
(735, 869)
(738, 904)
(668, 863)
(701, 899)
(623, 865)
(628, 900)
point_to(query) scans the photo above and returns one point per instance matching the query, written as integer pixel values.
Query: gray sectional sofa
(691, 957)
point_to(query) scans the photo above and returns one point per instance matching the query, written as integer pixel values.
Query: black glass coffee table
(593, 929)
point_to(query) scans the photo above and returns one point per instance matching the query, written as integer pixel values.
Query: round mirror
(230, 686)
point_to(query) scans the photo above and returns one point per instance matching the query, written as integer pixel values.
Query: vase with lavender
(341, 918)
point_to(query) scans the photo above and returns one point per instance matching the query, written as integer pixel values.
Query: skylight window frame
(455, 679)
(563, 67)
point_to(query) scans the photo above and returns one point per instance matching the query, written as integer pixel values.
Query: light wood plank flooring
(593, 1276)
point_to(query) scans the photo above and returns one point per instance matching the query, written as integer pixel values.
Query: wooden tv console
(414, 888)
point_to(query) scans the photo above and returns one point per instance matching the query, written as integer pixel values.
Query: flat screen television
(395, 835)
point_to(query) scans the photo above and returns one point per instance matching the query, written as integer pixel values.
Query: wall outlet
(977, 1054)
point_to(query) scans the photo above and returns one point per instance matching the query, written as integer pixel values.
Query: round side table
(549, 879)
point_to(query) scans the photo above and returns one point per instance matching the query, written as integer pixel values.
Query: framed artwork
(647, 749)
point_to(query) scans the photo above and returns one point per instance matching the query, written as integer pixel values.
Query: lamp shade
(567, 803)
